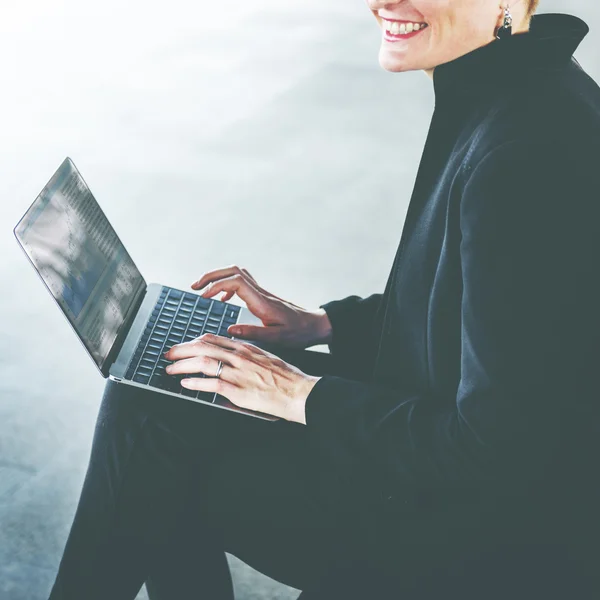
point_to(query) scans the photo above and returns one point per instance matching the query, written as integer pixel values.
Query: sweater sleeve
(529, 221)
(353, 332)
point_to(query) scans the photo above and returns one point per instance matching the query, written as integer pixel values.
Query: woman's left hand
(251, 377)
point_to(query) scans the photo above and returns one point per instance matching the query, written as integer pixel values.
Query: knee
(121, 406)
(126, 406)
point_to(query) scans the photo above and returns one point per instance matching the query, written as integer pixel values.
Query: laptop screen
(81, 259)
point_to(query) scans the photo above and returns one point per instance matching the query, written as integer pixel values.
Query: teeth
(396, 28)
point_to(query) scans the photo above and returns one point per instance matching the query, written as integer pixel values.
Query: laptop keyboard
(177, 317)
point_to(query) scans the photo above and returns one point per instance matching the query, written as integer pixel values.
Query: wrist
(322, 325)
(296, 411)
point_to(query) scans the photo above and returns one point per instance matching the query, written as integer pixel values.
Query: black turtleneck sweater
(472, 416)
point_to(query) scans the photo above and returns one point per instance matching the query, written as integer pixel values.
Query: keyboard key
(139, 378)
(218, 308)
(165, 382)
(189, 393)
(203, 303)
(207, 396)
(144, 374)
(175, 293)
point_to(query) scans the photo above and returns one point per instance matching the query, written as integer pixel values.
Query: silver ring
(219, 369)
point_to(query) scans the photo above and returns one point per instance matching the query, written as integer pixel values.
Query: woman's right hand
(284, 323)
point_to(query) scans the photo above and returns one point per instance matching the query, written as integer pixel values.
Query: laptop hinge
(124, 330)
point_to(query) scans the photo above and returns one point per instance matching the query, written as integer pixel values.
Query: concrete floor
(275, 114)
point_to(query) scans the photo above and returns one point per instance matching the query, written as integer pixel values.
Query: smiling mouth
(396, 28)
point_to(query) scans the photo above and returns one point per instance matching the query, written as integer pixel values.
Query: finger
(236, 284)
(263, 291)
(272, 333)
(258, 287)
(227, 296)
(248, 273)
(212, 276)
(208, 344)
(216, 275)
(198, 364)
(204, 347)
(212, 384)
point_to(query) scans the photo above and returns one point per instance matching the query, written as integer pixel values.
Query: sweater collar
(549, 44)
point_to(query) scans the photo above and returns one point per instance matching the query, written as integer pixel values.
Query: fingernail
(235, 330)
(185, 381)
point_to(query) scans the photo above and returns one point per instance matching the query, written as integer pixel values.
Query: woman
(447, 446)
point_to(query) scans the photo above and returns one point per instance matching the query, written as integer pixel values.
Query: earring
(505, 30)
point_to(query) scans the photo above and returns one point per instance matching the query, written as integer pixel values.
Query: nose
(376, 5)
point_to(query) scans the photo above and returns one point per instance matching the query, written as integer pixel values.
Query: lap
(257, 489)
(273, 507)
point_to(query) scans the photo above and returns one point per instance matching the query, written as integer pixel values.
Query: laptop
(124, 323)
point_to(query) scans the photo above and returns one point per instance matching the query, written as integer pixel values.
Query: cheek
(435, 11)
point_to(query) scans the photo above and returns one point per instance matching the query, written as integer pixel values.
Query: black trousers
(171, 485)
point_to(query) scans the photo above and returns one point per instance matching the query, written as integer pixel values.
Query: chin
(393, 65)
